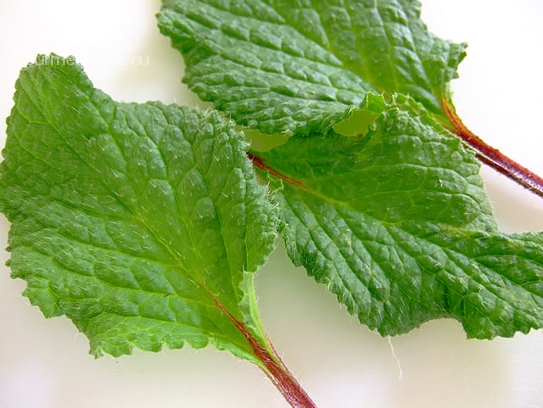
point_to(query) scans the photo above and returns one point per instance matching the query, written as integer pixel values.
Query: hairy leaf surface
(298, 66)
(141, 223)
(396, 223)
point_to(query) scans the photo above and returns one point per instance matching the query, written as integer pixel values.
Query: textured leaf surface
(396, 223)
(141, 223)
(298, 66)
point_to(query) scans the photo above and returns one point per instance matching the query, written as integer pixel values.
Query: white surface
(44, 363)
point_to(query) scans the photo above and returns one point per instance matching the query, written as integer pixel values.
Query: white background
(44, 363)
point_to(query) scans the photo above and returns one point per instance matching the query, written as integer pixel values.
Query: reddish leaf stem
(262, 165)
(493, 157)
(274, 367)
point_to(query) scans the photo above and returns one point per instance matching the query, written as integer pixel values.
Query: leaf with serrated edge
(141, 223)
(298, 66)
(396, 223)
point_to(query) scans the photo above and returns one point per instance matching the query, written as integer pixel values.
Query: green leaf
(396, 223)
(141, 223)
(299, 66)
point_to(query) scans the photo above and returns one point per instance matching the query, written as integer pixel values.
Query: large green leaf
(396, 223)
(298, 66)
(141, 223)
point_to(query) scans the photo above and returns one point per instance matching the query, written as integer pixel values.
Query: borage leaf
(144, 224)
(396, 223)
(298, 66)
(141, 223)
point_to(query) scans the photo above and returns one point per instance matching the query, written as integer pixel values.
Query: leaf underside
(396, 223)
(141, 223)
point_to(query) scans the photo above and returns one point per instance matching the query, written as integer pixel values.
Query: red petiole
(493, 157)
